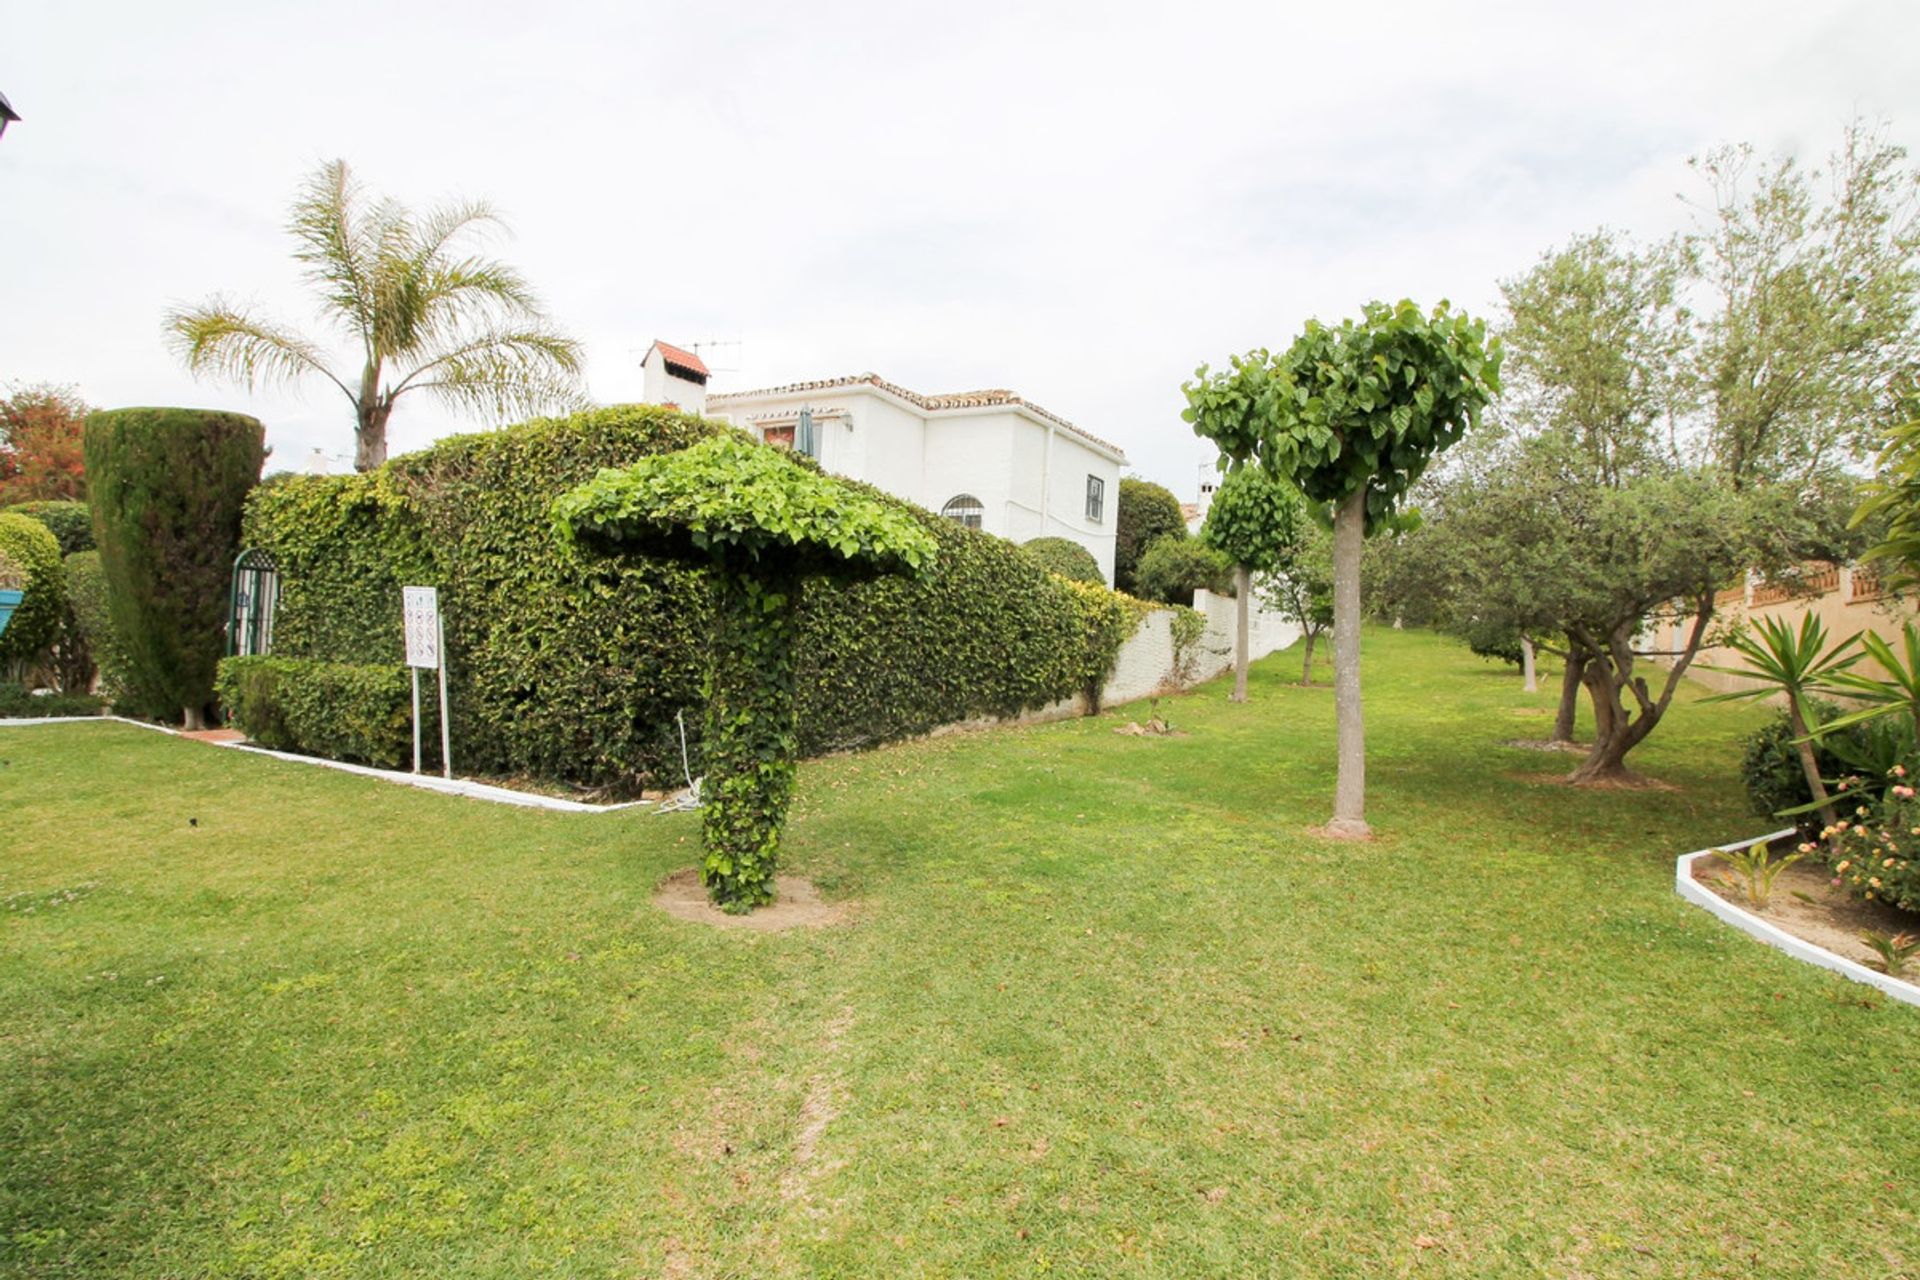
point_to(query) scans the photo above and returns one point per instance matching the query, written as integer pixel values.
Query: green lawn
(1107, 1010)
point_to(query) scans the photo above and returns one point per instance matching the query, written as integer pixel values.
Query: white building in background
(988, 459)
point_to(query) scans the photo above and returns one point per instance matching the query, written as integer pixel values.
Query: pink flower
(1899, 771)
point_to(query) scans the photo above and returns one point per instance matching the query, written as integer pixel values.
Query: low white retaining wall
(1773, 935)
(1267, 631)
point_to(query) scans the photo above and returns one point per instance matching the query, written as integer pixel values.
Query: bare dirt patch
(796, 905)
(1808, 905)
(1541, 744)
(817, 1110)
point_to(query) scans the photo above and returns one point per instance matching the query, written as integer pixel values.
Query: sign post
(426, 643)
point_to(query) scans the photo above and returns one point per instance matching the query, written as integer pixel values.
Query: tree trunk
(1612, 735)
(1526, 666)
(1570, 681)
(1350, 785)
(1306, 665)
(370, 437)
(1809, 764)
(1242, 588)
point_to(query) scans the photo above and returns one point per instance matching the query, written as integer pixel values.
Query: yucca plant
(1898, 692)
(1797, 664)
(423, 312)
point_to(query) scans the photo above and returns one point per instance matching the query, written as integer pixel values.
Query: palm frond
(338, 245)
(503, 372)
(220, 339)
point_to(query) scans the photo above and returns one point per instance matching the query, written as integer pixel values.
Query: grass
(1107, 1010)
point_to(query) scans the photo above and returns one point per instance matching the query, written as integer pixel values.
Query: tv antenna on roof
(701, 348)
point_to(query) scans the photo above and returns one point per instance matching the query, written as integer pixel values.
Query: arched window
(964, 508)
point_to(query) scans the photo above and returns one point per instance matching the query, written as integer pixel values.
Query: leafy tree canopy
(1255, 520)
(40, 444)
(1146, 513)
(1364, 404)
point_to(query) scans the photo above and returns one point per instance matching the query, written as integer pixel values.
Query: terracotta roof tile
(932, 404)
(685, 359)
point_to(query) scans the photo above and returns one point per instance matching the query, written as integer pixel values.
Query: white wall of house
(658, 386)
(1028, 472)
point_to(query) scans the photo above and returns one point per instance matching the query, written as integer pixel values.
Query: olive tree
(1351, 415)
(764, 524)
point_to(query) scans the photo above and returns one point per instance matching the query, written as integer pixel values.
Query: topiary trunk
(1350, 783)
(750, 743)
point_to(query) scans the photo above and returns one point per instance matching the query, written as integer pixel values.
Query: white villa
(988, 459)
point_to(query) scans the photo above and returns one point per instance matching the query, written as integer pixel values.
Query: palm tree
(428, 316)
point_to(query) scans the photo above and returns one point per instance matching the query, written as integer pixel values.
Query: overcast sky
(1080, 203)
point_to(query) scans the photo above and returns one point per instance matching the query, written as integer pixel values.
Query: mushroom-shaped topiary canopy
(765, 522)
(744, 505)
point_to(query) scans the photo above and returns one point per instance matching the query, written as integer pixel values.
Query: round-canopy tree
(764, 523)
(1259, 523)
(1351, 416)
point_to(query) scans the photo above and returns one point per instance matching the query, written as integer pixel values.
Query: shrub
(18, 702)
(1065, 557)
(1107, 619)
(89, 615)
(35, 555)
(70, 522)
(168, 487)
(344, 711)
(1873, 847)
(573, 671)
(1771, 772)
(1146, 512)
(1174, 568)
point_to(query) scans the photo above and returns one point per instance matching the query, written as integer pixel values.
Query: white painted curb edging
(1773, 935)
(426, 782)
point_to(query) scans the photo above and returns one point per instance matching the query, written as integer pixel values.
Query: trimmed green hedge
(168, 487)
(344, 711)
(70, 522)
(33, 549)
(572, 671)
(1065, 557)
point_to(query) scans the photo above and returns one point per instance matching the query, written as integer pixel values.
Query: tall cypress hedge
(574, 672)
(168, 487)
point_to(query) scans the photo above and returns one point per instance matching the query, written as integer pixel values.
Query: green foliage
(729, 501)
(168, 487)
(344, 711)
(1107, 620)
(1874, 847)
(1185, 626)
(572, 669)
(19, 702)
(1364, 405)
(1146, 512)
(1757, 866)
(1893, 498)
(1175, 567)
(1065, 557)
(90, 616)
(35, 555)
(764, 523)
(1255, 520)
(1771, 770)
(427, 314)
(1896, 951)
(71, 522)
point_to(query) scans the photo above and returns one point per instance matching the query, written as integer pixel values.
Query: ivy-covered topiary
(167, 488)
(1065, 557)
(34, 556)
(70, 522)
(762, 523)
